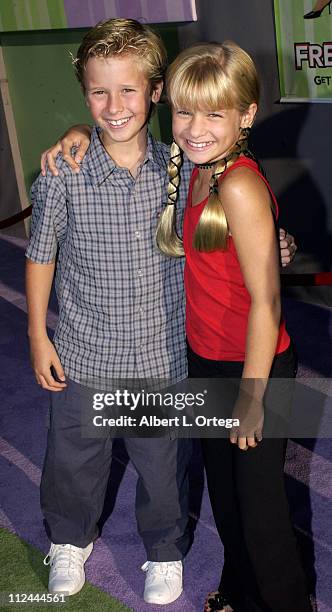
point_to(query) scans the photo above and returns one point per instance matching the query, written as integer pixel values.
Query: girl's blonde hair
(211, 76)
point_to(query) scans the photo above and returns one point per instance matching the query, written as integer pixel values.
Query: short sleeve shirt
(121, 302)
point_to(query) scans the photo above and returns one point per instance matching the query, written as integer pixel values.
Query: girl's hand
(77, 136)
(249, 410)
(43, 357)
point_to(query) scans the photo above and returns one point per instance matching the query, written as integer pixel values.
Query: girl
(233, 319)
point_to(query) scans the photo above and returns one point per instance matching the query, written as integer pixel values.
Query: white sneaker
(163, 582)
(67, 567)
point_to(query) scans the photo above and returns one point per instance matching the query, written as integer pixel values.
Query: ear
(248, 116)
(157, 91)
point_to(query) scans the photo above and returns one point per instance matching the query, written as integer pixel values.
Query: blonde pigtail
(212, 229)
(167, 239)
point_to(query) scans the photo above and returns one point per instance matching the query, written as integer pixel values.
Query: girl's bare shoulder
(243, 184)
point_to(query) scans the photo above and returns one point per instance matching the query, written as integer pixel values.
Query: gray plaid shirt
(121, 302)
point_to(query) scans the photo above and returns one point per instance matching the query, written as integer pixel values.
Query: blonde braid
(173, 168)
(212, 228)
(167, 239)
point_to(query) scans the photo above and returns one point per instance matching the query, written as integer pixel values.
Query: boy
(120, 310)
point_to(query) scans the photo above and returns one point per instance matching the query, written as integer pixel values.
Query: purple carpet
(118, 555)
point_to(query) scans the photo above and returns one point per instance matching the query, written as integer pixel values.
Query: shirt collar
(157, 153)
(100, 165)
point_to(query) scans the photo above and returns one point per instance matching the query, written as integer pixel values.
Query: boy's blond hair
(116, 37)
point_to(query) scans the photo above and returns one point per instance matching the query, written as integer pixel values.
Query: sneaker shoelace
(164, 568)
(63, 557)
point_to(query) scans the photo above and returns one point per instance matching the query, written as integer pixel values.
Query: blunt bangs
(202, 85)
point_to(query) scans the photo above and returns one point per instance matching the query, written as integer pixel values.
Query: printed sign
(304, 44)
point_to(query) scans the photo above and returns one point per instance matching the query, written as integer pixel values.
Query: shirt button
(137, 234)
(139, 272)
(141, 310)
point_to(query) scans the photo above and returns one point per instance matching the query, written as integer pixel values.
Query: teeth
(118, 121)
(199, 145)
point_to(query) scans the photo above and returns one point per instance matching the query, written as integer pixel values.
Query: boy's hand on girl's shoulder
(44, 357)
(77, 136)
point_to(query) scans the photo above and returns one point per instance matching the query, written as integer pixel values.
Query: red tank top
(217, 301)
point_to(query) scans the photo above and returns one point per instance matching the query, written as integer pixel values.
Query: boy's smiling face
(119, 97)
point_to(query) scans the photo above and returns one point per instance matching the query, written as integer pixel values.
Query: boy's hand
(43, 356)
(288, 247)
(77, 136)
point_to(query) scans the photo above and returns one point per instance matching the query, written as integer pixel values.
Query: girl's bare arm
(77, 136)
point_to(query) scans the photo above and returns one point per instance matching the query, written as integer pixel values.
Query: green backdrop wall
(45, 95)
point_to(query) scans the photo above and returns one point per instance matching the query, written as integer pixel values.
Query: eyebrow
(125, 85)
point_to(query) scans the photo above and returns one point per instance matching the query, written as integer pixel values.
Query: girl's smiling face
(206, 136)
